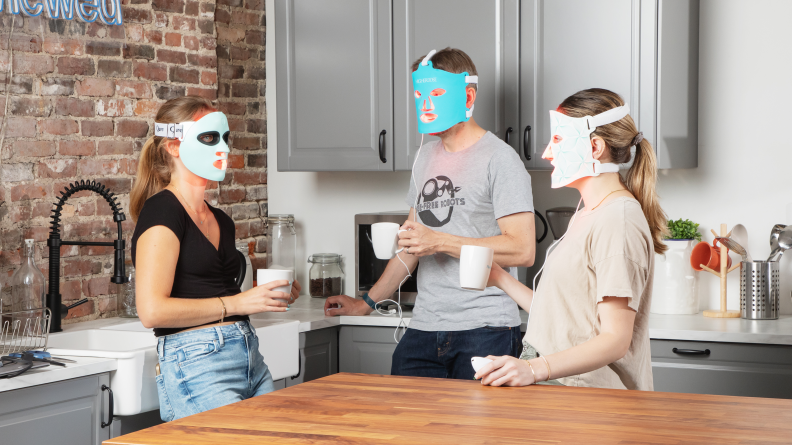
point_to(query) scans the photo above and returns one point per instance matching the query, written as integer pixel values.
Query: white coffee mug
(475, 264)
(385, 238)
(264, 276)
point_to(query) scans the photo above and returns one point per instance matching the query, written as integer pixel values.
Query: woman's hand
(496, 276)
(260, 299)
(295, 292)
(506, 371)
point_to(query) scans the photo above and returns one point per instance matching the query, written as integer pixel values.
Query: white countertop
(49, 374)
(310, 313)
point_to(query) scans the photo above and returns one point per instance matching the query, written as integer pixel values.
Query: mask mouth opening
(428, 117)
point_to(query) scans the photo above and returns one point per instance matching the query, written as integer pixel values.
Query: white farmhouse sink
(133, 383)
(135, 348)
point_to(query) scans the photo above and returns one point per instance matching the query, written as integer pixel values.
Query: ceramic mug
(708, 255)
(385, 238)
(264, 276)
(475, 264)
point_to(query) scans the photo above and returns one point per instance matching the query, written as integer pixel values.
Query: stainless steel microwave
(368, 268)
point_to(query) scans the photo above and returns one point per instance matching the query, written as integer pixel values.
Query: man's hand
(420, 240)
(344, 305)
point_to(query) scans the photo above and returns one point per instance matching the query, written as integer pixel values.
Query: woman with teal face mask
(186, 264)
(588, 319)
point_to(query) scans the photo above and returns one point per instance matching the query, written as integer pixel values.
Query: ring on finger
(407, 250)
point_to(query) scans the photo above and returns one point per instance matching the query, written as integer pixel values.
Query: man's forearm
(509, 251)
(392, 276)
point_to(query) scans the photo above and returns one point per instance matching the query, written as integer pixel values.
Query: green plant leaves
(683, 229)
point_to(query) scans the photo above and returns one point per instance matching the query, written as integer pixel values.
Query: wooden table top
(374, 409)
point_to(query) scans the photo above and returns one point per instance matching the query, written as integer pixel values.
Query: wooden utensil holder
(724, 271)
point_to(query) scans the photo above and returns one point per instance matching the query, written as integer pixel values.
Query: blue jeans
(447, 354)
(208, 368)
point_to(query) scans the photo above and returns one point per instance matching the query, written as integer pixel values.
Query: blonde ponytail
(641, 178)
(155, 164)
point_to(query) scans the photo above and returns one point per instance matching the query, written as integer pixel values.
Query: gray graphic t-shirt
(464, 194)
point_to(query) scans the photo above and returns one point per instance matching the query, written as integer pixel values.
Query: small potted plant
(675, 289)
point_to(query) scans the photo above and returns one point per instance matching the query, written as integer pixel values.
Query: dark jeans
(447, 354)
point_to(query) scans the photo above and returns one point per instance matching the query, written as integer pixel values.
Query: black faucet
(58, 309)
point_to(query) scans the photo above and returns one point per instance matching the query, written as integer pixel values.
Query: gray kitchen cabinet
(734, 369)
(70, 412)
(644, 50)
(488, 31)
(365, 349)
(318, 355)
(334, 85)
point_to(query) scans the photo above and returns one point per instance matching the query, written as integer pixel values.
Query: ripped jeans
(208, 368)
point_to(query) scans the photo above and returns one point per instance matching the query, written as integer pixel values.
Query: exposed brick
(173, 39)
(33, 64)
(223, 16)
(206, 26)
(119, 186)
(146, 108)
(128, 166)
(250, 177)
(114, 68)
(230, 71)
(68, 106)
(134, 33)
(247, 143)
(23, 43)
(100, 48)
(208, 93)
(191, 43)
(226, 34)
(86, 209)
(224, 51)
(76, 148)
(236, 161)
(17, 172)
(258, 126)
(114, 107)
(133, 89)
(257, 5)
(74, 65)
(99, 30)
(135, 15)
(183, 23)
(170, 56)
(160, 20)
(97, 128)
(132, 128)
(72, 290)
(98, 167)
(72, 28)
(57, 168)
(208, 9)
(29, 191)
(57, 86)
(167, 92)
(34, 148)
(257, 192)
(93, 287)
(95, 87)
(255, 37)
(154, 36)
(168, 5)
(18, 84)
(244, 18)
(25, 106)
(135, 51)
(236, 125)
(253, 108)
(20, 127)
(191, 8)
(245, 90)
(184, 75)
(209, 43)
(234, 108)
(230, 195)
(151, 71)
(208, 77)
(115, 148)
(202, 61)
(256, 72)
(81, 266)
(60, 127)
(62, 47)
(229, 2)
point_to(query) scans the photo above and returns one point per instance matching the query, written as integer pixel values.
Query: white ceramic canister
(675, 288)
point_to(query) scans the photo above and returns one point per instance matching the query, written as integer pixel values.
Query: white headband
(607, 117)
(172, 131)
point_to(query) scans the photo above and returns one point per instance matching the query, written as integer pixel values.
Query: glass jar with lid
(126, 304)
(281, 242)
(326, 278)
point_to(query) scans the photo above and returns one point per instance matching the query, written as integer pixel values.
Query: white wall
(744, 153)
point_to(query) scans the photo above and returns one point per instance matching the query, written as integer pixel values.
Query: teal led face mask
(440, 97)
(204, 144)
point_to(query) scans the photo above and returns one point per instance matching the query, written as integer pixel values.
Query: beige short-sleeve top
(607, 252)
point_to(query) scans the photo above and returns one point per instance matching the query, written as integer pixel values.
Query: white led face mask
(570, 145)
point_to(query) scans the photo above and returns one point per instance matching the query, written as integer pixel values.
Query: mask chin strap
(172, 131)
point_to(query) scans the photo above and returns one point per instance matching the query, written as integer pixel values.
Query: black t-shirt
(201, 271)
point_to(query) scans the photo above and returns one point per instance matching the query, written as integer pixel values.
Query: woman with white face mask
(588, 320)
(186, 264)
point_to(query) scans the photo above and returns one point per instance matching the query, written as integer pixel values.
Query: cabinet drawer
(737, 353)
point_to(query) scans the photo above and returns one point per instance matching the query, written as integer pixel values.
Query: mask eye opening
(214, 135)
(417, 94)
(225, 136)
(437, 92)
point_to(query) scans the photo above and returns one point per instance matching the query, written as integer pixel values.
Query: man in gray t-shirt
(469, 188)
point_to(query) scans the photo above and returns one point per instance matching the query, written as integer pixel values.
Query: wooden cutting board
(374, 409)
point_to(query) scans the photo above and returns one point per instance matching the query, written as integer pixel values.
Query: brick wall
(80, 106)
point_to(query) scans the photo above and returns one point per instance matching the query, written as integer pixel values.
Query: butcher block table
(374, 409)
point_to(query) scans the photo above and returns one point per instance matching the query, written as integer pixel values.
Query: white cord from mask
(547, 255)
(391, 312)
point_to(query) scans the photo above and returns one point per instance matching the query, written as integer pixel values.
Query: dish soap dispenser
(27, 285)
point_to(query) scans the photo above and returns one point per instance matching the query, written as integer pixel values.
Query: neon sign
(107, 11)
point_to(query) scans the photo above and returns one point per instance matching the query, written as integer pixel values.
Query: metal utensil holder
(760, 290)
(26, 330)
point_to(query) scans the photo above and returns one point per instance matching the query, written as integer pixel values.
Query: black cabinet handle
(507, 138)
(299, 365)
(544, 231)
(690, 351)
(110, 403)
(527, 143)
(382, 147)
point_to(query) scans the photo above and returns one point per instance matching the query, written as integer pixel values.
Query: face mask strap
(607, 117)
(172, 131)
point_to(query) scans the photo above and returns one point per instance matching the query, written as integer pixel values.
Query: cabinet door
(567, 46)
(487, 30)
(365, 349)
(334, 85)
(318, 355)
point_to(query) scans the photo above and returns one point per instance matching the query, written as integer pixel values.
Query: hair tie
(637, 139)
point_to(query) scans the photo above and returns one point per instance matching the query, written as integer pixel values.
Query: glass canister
(27, 287)
(326, 276)
(127, 308)
(281, 242)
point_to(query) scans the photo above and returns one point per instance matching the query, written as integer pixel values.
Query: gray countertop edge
(85, 366)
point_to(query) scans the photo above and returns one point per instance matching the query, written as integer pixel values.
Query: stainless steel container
(760, 290)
